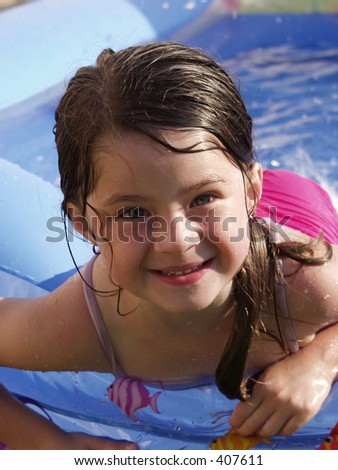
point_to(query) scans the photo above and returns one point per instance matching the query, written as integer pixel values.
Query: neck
(213, 317)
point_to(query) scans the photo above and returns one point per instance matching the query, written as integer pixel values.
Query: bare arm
(291, 392)
(43, 434)
(54, 332)
(15, 417)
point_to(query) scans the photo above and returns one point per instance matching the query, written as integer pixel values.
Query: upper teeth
(181, 273)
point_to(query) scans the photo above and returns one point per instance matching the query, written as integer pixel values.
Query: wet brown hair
(149, 89)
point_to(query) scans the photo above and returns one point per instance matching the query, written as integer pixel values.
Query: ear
(79, 222)
(254, 186)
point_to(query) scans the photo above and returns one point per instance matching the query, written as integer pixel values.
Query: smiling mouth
(185, 272)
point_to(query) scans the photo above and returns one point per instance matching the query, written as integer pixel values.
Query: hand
(285, 397)
(80, 441)
(44, 434)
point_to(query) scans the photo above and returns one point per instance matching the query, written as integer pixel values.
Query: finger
(274, 425)
(241, 413)
(109, 444)
(281, 424)
(257, 419)
(285, 421)
(292, 425)
(128, 446)
(121, 445)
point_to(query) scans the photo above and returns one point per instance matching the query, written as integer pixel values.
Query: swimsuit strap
(107, 346)
(96, 316)
(285, 323)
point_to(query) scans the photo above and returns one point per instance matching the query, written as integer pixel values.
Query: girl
(191, 279)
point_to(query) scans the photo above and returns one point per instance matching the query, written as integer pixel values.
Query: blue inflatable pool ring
(34, 257)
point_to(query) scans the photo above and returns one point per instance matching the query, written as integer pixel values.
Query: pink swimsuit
(287, 199)
(298, 203)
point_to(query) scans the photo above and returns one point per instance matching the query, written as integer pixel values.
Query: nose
(179, 234)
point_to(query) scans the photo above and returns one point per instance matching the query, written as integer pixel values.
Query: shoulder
(312, 292)
(53, 332)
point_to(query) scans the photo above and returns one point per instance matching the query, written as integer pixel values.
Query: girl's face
(177, 223)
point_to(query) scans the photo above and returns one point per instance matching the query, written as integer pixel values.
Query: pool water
(292, 94)
(291, 91)
(287, 71)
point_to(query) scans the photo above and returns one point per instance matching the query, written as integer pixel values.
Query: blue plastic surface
(34, 258)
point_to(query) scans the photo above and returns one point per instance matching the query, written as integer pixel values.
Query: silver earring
(96, 250)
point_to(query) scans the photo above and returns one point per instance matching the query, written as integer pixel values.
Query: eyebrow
(210, 179)
(118, 198)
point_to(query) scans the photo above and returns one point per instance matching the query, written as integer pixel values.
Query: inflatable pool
(288, 71)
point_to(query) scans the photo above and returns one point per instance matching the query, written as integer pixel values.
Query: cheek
(106, 253)
(228, 224)
(231, 236)
(239, 246)
(123, 260)
(234, 250)
(235, 244)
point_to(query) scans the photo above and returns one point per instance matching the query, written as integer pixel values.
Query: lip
(167, 274)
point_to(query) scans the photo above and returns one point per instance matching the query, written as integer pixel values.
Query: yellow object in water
(233, 441)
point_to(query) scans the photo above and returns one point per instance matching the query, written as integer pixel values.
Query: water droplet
(190, 5)
(327, 296)
(317, 100)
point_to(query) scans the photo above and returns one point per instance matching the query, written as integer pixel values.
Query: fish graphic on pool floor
(233, 441)
(331, 441)
(131, 395)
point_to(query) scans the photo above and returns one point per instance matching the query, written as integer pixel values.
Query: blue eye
(132, 213)
(202, 200)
